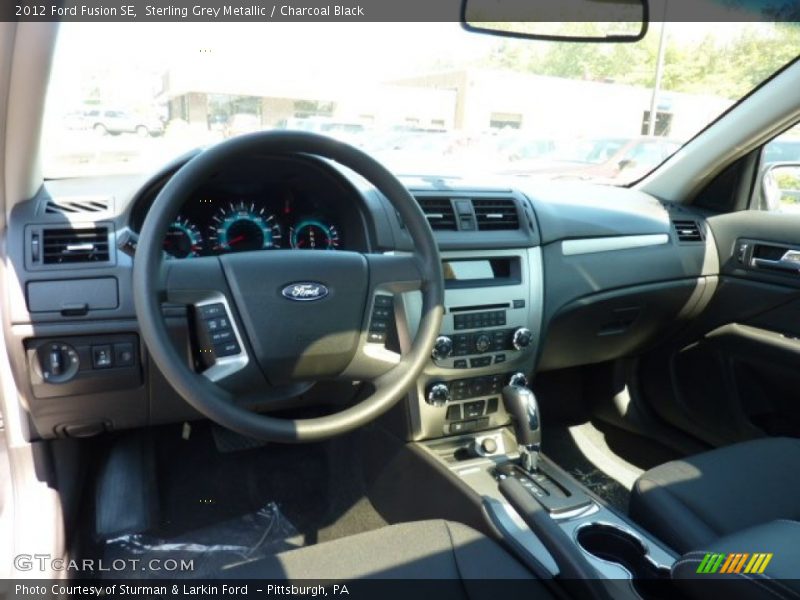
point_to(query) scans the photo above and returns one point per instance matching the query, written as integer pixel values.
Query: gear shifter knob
(521, 405)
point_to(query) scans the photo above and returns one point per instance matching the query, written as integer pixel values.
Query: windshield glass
(422, 98)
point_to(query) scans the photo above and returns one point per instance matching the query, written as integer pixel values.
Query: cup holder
(616, 545)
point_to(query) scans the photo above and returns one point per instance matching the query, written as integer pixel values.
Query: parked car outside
(115, 122)
(616, 159)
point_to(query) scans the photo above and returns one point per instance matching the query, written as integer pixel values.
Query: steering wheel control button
(384, 301)
(374, 337)
(380, 319)
(380, 312)
(218, 323)
(102, 357)
(219, 337)
(227, 349)
(208, 311)
(438, 394)
(379, 325)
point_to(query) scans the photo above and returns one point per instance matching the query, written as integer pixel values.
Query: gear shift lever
(521, 405)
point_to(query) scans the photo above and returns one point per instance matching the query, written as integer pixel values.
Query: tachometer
(312, 234)
(242, 226)
(183, 239)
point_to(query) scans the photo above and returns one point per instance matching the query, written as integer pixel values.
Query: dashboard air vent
(439, 212)
(71, 206)
(688, 231)
(62, 246)
(495, 214)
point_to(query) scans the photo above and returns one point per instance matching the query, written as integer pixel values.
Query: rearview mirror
(561, 21)
(780, 187)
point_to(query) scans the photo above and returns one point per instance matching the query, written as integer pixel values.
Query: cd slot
(457, 309)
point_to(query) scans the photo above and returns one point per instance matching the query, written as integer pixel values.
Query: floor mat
(318, 488)
(559, 445)
(604, 458)
(204, 552)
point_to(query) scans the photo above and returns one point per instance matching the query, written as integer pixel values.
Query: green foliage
(788, 180)
(712, 64)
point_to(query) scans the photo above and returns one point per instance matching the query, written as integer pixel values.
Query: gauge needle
(236, 240)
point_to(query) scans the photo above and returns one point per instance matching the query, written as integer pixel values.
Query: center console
(629, 562)
(490, 331)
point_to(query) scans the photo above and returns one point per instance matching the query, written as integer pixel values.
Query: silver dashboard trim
(608, 244)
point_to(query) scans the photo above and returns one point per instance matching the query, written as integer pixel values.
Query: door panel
(734, 374)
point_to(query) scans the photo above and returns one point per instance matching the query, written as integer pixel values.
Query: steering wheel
(299, 315)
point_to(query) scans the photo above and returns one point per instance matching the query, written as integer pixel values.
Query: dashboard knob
(522, 338)
(483, 343)
(518, 379)
(442, 347)
(58, 362)
(438, 394)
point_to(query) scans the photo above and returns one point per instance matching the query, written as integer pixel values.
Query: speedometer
(312, 234)
(241, 226)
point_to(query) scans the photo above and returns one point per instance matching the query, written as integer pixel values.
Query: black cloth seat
(690, 503)
(418, 550)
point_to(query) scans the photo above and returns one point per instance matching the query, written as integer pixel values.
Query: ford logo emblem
(304, 291)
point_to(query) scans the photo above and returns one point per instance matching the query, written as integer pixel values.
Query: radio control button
(442, 348)
(522, 338)
(483, 343)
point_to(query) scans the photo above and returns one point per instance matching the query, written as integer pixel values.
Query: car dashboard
(532, 283)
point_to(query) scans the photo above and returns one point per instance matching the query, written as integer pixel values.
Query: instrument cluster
(219, 223)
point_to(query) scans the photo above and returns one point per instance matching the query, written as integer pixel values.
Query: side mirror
(780, 187)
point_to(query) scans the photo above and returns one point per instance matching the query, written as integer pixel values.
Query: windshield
(422, 98)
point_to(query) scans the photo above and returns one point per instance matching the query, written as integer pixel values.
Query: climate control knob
(518, 379)
(438, 394)
(442, 347)
(483, 343)
(522, 338)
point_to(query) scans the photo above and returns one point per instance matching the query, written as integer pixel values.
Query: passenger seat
(691, 503)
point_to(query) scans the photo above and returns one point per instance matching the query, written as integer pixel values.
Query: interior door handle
(790, 261)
